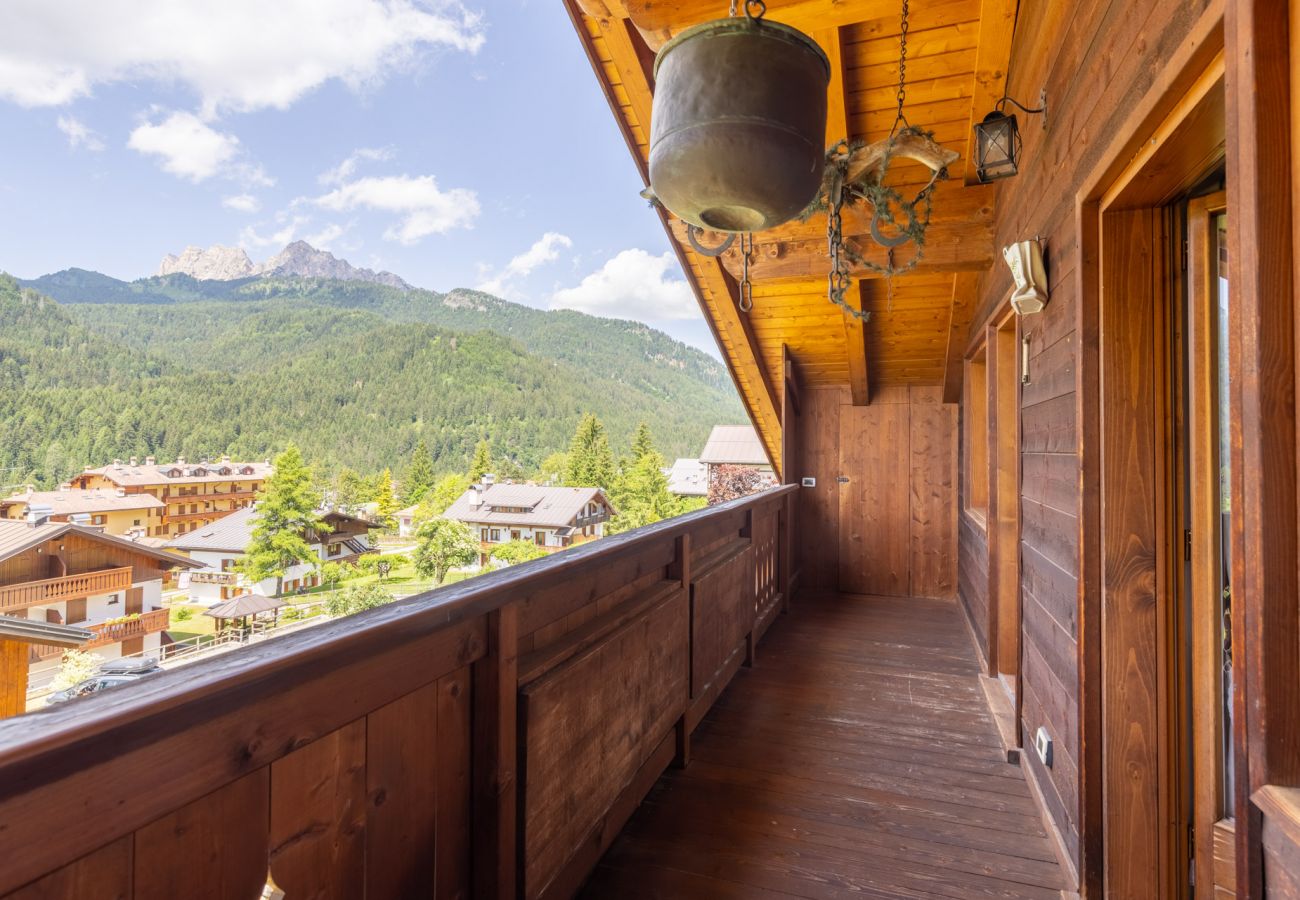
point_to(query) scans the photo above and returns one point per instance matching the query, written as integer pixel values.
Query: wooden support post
(496, 683)
(783, 560)
(13, 678)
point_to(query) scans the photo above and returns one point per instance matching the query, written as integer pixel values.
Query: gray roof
(87, 500)
(687, 478)
(17, 536)
(34, 631)
(233, 532)
(548, 507)
(736, 444)
(243, 605)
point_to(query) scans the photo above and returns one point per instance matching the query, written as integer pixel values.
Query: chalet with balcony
(66, 574)
(553, 518)
(220, 547)
(112, 510)
(1030, 631)
(195, 494)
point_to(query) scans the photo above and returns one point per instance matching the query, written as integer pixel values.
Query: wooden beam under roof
(661, 18)
(992, 58)
(632, 63)
(855, 346)
(964, 295)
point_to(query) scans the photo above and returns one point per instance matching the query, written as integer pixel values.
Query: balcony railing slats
(70, 587)
(511, 722)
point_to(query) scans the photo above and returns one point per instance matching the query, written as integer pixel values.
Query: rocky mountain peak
(299, 259)
(217, 263)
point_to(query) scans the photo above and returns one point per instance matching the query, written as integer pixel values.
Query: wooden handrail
(68, 587)
(384, 693)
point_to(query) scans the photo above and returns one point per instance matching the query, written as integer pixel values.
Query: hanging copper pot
(738, 124)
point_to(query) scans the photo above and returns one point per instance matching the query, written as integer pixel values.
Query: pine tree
(642, 442)
(482, 463)
(286, 514)
(419, 476)
(386, 498)
(641, 495)
(591, 462)
(443, 494)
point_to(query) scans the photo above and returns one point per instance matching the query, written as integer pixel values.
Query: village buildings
(61, 573)
(195, 494)
(218, 548)
(112, 510)
(553, 518)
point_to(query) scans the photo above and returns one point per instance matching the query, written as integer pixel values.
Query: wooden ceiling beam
(964, 288)
(992, 58)
(831, 40)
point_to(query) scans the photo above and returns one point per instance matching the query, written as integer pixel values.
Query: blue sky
(458, 146)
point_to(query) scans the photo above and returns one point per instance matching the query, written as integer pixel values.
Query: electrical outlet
(1043, 746)
(808, 482)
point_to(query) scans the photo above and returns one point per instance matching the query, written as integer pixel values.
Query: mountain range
(353, 369)
(299, 259)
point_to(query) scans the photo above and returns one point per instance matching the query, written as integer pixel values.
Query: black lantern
(997, 141)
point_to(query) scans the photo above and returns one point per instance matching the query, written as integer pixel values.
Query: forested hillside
(354, 373)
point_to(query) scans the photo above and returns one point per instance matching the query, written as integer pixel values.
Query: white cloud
(246, 203)
(79, 134)
(344, 170)
(632, 285)
(190, 148)
(326, 237)
(237, 55)
(251, 238)
(544, 250)
(424, 208)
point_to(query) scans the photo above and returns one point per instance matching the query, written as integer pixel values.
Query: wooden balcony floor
(857, 759)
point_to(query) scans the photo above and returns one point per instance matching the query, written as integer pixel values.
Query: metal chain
(746, 301)
(902, 71)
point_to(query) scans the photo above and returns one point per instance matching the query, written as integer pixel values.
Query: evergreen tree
(350, 489)
(553, 468)
(444, 544)
(591, 462)
(482, 463)
(419, 476)
(386, 498)
(642, 442)
(641, 495)
(286, 514)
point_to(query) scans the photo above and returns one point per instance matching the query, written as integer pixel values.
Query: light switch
(808, 481)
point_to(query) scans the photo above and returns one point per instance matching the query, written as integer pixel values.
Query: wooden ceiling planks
(957, 59)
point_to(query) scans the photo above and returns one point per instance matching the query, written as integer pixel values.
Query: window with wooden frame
(975, 438)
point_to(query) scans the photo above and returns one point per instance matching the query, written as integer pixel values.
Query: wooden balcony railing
(487, 739)
(154, 620)
(70, 587)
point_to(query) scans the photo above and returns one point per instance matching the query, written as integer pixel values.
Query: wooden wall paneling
(1262, 180)
(104, 874)
(875, 452)
(587, 727)
(402, 765)
(454, 791)
(932, 479)
(318, 817)
(215, 847)
(818, 450)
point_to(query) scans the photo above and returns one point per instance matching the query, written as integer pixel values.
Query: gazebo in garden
(244, 607)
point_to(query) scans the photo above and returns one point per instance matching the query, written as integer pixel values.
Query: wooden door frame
(1002, 359)
(1204, 464)
(1166, 144)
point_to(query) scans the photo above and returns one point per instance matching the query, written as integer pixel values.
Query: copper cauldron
(739, 124)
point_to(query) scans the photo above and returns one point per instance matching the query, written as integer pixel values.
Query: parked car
(111, 674)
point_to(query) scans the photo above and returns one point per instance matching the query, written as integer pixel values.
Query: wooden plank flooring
(857, 759)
